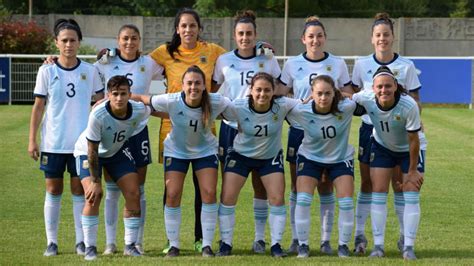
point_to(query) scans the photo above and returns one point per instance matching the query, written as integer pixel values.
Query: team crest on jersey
(397, 117)
(275, 117)
(339, 117)
(83, 76)
(134, 124)
(300, 166)
(142, 68)
(168, 161)
(203, 59)
(231, 163)
(85, 164)
(396, 72)
(329, 68)
(44, 160)
(261, 65)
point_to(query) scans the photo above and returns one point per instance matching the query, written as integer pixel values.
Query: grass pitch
(446, 234)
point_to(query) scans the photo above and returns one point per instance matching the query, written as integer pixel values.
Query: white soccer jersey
(234, 74)
(68, 94)
(326, 136)
(140, 72)
(259, 135)
(299, 71)
(391, 126)
(403, 69)
(188, 138)
(111, 131)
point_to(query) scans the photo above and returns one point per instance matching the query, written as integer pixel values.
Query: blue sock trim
(89, 221)
(226, 210)
(78, 198)
(304, 199)
(111, 186)
(173, 210)
(209, 208)
(142, 189)
(327, 198)
(411, 197)
(53, 198)
(293, 196)
(346, 204)
(132, 222)
(379, 198)
(278, 210)
(399, 199)
(364, 198)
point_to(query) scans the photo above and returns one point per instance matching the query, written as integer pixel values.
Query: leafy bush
(23, 38)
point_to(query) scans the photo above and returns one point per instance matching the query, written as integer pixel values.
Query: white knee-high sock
(364, 200)
(173, 224)
(131, 224)
(411, 217)
(277, 223)
(90, 225)
(303, 216)
(226, 223)
(399, 202)
(378, 212)
(260, 214)
(208, 223)
(141, 230)
(346, 220)
(328, 205)
(78, 202)
(293, 200)
(52, 209)
(112, 195)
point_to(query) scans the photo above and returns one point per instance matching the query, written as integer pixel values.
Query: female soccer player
(104, 145)
(183, 51)
(405, 73)
(191, 141)
(232, 74)
(297, 74)
(140, 71)
(63, 92)
(326, 121)
(396, 120)
(257, 146)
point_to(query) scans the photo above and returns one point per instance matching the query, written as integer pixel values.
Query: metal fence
(24, 69)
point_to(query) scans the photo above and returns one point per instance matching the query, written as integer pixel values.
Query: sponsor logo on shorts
(44, 160)
(300, 166)
(85, 164)
(372, 156)
(291, 151)
(361, 151)
(231, 163)
(168, 161)
(221, 151)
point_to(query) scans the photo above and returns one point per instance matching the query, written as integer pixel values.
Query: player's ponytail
(175, 42)
(247, 16)
(67, 24)
(313, 21)
(382, 18)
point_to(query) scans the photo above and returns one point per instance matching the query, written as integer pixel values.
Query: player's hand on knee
(93, 193)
